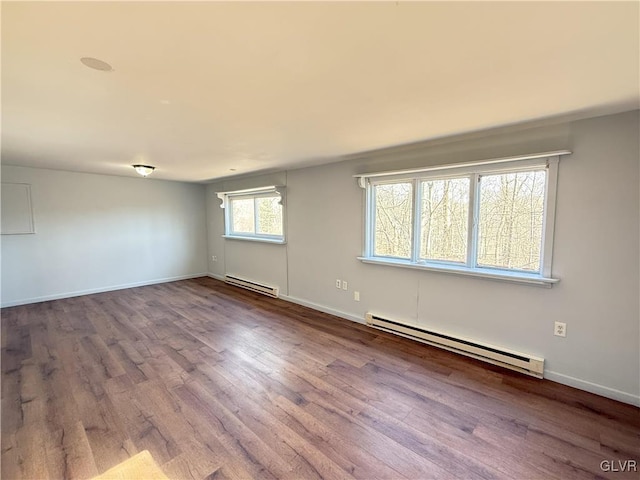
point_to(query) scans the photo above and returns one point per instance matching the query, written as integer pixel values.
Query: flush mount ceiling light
(144, 170)
(96, 64)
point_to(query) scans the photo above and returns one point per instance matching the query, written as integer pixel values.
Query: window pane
(394, 220)
(242, 213)
(444, 220)
(511, 217)
(269, 215)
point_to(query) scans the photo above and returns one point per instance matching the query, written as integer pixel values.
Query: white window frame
(473, 170)
(253, 193)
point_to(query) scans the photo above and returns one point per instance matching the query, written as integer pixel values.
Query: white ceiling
(199, 89)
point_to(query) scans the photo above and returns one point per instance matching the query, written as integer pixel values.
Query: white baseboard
(593, 388)
(91, 291)
(549, 375)
(322, 308)
(306, 303)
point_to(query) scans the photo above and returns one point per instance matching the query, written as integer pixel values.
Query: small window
(493, 218)
(254, 214)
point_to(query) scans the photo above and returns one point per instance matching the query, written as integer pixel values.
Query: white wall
(596, 253)
(98, 232)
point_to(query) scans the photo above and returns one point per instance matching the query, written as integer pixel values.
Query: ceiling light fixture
(96, 64)
(144, 170)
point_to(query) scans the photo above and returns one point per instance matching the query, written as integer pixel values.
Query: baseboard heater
(267, 290)
(519, 362)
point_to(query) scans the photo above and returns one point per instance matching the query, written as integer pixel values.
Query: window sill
(255, 239)
(530, 279)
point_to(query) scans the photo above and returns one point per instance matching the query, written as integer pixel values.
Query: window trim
(474, 170)
(269, 191)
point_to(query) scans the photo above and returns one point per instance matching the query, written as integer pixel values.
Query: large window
(492, 218)
(255, 214)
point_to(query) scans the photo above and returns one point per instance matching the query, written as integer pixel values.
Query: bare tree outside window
(511, 220)
(444, 220)
(257, 215)
(242, 213)
(394, 220)
(269, 218)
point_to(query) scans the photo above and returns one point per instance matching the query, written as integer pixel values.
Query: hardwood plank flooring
(218, 382)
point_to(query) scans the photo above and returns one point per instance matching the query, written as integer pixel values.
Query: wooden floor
(217, 382)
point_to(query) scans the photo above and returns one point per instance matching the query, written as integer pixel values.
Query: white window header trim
(362, 178)
(277, 189)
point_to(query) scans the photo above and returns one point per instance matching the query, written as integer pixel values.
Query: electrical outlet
(560, 329)
(338, 284)
(344, 285)
(214, 258)
(356, 296)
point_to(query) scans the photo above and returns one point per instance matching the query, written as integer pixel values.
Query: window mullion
(370, 213)
(228, 216)
(255, 215)
(549, 216)
(472, 231)
(417, 221)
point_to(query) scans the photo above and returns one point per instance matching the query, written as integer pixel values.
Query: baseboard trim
(593, 388)
(322, 308)
(306, 303)
(601, 390)
(91, 291)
